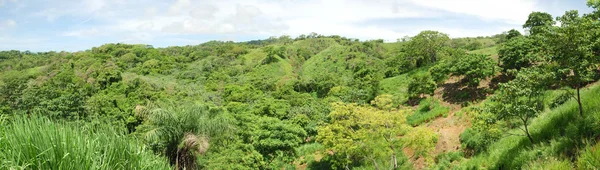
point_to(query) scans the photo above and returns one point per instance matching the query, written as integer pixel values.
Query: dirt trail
(448, 128)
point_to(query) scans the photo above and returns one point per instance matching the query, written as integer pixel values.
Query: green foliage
(474, 68)
(422, 141)
(425, 47)
(277, 140)
(518, 52)
(560, 99)
(521, 98)
(556, 133)
(485, 130)
(356, 133)
(537, 22)
(445, 160)
(574, 31)
(420, 84)
(427, 110)
(551, 164)
(589, 158)
(182, 133)
(513, 34)
(38, 143)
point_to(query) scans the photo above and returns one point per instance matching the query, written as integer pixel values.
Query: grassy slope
(398, 86)
(328, 61)
(557, 135)
(491, 51)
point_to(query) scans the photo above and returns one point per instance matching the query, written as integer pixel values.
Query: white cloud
(9, 23)
(141, 21)
(83, 33)
(512, 11)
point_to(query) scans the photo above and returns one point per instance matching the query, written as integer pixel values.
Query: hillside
(508, 101)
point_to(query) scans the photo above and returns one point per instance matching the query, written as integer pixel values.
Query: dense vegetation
(312, 102)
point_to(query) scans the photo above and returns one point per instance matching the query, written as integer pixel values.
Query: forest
(515, 100)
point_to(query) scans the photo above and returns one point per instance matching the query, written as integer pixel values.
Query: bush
(444, 160)
(420, 84)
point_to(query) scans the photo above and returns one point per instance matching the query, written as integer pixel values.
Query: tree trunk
(578, 93)
(394, 161)
(375, 164)
(528, 135)
(579, 101)
(527, 131)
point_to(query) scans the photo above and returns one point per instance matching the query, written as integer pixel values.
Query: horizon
(42, 25)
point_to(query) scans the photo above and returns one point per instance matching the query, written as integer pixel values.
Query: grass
(38, 143)
(398, 86)
(557, 133)
(491, 51)
(589, 158)
(427, 110)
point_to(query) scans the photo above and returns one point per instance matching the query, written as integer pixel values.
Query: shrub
(420, 84)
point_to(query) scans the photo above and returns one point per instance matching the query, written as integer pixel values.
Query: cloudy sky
(43, 25)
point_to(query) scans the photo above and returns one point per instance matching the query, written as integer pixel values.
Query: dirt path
(448, 128)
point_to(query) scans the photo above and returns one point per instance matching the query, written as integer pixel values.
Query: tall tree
(425, 47)
(537, 21)
(571, 48)
(521, 98)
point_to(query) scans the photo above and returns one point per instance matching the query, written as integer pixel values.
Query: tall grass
(589, 158)
(428, 110)
(38, 143)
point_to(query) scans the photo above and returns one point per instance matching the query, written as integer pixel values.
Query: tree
(475, 67)
(571, 48)
(518, 52)
(420, 84)
(182, 133)
(537, 21)
(425, 47)
(277, 140)
(362, 133)
(521, 98)
(513, 34)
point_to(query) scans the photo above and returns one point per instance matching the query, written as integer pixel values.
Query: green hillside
(508, 101)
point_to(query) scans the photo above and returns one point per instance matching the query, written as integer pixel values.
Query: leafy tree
(276, 140)
(355, 133)
(422, 141)
(475, 67)
(521, 98)
(518, 52)
(425, 47)
(420, 84)
(571, 47)
(537, 22)
(513, 34)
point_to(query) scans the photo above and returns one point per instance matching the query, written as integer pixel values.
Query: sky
(69, 25)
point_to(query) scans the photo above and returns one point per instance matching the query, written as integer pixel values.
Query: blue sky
(44, 25)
